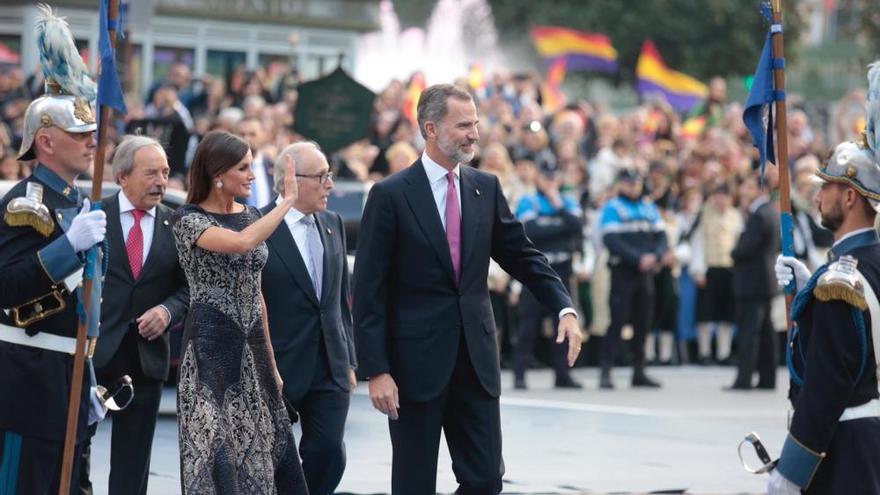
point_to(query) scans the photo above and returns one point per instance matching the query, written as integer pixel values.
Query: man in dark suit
(145, 292)
(306, 288)
(423, 318)
(754, 284)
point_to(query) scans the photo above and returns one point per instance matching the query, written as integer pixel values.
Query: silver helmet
(854, 164)
(67, 112)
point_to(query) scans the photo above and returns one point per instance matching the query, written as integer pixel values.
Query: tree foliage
(703, 38)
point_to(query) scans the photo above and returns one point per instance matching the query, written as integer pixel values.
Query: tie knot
(450, 177)
(308, 220)
(138, 214)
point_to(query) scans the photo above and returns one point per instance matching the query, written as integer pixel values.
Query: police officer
(553, 222)
(633, 232)
(834, 435)
(44, 230)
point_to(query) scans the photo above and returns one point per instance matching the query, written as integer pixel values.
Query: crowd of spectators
(683, 159)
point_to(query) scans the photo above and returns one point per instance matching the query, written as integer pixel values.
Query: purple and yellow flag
(581, 51)
(680, 90)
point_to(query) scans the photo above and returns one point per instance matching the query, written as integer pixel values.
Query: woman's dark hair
(218, 152)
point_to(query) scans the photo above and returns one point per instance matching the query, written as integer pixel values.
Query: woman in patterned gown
(235, 434)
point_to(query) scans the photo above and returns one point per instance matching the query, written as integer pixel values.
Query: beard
(453, 151)
(831, 219)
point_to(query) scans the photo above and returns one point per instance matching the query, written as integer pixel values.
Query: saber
(753, 439)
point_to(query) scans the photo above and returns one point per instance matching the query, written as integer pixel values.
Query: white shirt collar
(435, 171)
(126, 206)
(294, 215)
(850, 234)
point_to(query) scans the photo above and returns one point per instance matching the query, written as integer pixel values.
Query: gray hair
(123, 158)
(294, 150)
(432, 103)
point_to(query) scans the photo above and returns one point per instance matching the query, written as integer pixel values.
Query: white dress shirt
(439, 187)
(440, 184)
(148, 224)
(298, 230)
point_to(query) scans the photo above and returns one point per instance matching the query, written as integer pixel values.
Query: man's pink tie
(453, 225)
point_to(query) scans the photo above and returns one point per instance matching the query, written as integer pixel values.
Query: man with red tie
(145, 293)
(423, 320)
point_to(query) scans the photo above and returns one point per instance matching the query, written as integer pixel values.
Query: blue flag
(109, 89)
(758, 114)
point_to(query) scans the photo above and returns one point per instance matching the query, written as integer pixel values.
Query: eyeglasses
(321, 178)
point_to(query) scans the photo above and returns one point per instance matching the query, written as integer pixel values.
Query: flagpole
(83, 326)
(782, 147)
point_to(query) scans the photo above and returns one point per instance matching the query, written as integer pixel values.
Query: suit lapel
(285, 247)
(421, 201)
(116, 236)
(328, 239)
(470, 211)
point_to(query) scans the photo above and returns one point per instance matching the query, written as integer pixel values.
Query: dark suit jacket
(298, 318)
(162, 281)
(409, 312)
(755, 254)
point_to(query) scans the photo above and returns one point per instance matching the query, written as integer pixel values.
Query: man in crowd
(306, 287)
(553, 222)
(422, 314)
(754, 287)
(251, 129)
(145, 293)
(633, 232)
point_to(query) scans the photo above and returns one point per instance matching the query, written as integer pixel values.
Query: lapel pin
(165, 222)
(477, 191)
(329, 232)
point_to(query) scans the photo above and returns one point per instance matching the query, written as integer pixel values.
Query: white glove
(779, 485)
(87, 229)
(788, 268)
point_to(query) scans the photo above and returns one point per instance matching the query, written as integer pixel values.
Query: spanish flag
(582, 51)
(554, 98)
(413, 92)
(680, 90)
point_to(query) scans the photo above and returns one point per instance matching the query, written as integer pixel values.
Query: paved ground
(682, 437)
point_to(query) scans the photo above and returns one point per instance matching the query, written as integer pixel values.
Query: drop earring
(218, 183)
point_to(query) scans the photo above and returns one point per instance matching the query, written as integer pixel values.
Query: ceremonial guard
(633, 232)
(45, 230)
(834, 435)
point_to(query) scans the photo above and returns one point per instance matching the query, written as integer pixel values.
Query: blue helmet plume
(59, 56)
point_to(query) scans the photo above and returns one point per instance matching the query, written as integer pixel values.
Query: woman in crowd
(235, 434)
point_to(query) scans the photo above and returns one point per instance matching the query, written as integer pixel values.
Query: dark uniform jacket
(35, 383)
(832, 365)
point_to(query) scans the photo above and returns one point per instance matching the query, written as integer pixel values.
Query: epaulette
(841, 283)
(30, 211)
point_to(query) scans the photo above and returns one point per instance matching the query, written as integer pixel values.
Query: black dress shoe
(766, 386)
(568, 382)
(519, 384)
(605, 382)
(643, 380)
(705, 361)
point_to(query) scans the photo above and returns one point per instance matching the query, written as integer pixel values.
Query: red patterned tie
(453, 225)
(134, 246)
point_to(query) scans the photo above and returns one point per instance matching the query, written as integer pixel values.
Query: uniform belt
(42, 340)
(870, 409)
